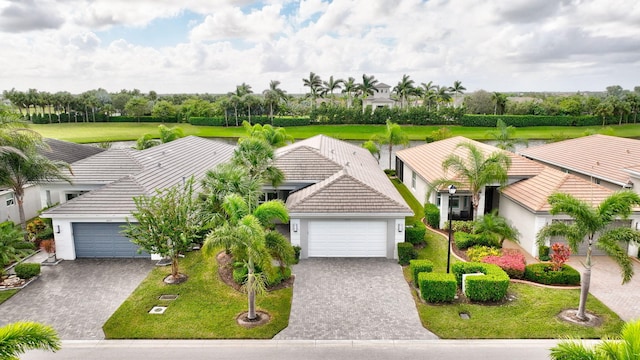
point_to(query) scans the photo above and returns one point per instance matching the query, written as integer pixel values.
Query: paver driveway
(77, 297)
(352, 299)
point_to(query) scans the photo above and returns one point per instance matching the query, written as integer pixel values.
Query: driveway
(352, 299)
(77, 297)
(606, 285)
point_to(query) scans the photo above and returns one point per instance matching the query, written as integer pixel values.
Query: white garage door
(347, 239)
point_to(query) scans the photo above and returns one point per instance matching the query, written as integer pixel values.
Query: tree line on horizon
(333, 92)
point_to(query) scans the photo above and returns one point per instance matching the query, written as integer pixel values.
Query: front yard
(206, 308)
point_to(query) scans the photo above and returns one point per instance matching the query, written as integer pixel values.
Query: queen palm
(623, 347)
(17, 338)
(393, 135)
(245, 235)
(592, 224)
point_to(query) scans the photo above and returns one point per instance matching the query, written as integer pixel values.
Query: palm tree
(368, 85)
(593, 225)
(495, 227)
(404, 88)
(258, 157)
(499, 101)
(250, 101)
(475, 170)
(273, 95)
(314, 82)
(26, 166)
(350, 87)
(457, 89)
(393, 135)
(331, 86)
(245, 235)
(442, 95)
(373, 149)
(17, 338)
(274, 136)
(170, 134)
(12, 244)
(428, 91)
(504, 136)
(624, 347)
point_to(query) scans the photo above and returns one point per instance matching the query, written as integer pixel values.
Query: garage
(103, 240)
(355, 238)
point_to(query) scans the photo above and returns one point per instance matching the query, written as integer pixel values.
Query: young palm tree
(244, 233)
(592, 224)
(258, 157)
(276, 137)
(624, 347)
(503, 135)
(496, 227)
(393, 135)
(373, 149)
(17, 338)
(169, 134)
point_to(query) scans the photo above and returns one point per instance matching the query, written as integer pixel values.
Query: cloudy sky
(210, 46)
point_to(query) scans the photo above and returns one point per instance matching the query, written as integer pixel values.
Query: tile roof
(69, 152)
(349, 178)
(159, 167)
(105, 167)
(427, 159)
(533, 193)
(604, 157)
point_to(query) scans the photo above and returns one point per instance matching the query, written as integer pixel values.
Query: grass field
(103, 132)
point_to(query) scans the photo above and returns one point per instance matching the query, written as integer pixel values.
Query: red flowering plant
(561, 253)
(511, 261)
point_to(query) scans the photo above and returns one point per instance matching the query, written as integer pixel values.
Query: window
(413, 180)
(10, 200)
(73, 195)
(455, 201)
(267, 196)
(439, 199)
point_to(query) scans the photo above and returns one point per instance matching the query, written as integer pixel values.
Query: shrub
(272, 277)
(512, 262)
(35, 227)
(415, 235)
(530, 120)
(465, 240)
(406, 253)
(390, 172)
(27, 270)
(561, 253)
(543, 273)
(419, 266)
(460, 226)
(478, 252)
(490, 287)
(296, 253)
(437, 287)
(432, 215)
(543, 253)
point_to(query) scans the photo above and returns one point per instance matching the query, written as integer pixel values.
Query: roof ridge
(371, 188)
(320, 185)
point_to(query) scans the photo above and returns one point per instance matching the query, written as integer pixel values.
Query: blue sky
(198, 46)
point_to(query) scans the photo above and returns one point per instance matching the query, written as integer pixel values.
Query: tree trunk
(23, 220)
(390, 149)
(251, 291)
(174, 266)
(584, 286)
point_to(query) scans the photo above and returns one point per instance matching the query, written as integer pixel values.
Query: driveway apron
(77, 297)
(352, 299)
(606, 285)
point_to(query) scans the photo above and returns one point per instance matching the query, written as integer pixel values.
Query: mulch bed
(225, 271)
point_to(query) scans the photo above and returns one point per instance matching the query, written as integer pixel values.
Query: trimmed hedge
(437, 287)
(27, 270)
(231, 121)
(419, 266)
(542, 273)
(490, 287)
(415, 235)
(432, 215)
(406, 253)
(529, 120)
(465, 240)
(143, 119)
(460, 226)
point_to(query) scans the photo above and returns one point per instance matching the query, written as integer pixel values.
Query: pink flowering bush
(561, 253)
(511, 261)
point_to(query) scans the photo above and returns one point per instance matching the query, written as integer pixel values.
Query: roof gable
(306, 163)
(69, 152)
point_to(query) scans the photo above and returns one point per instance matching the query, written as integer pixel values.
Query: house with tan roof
(523, 201)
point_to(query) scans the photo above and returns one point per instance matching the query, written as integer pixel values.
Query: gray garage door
(103, 240)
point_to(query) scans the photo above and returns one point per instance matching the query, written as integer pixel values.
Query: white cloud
(232, 23)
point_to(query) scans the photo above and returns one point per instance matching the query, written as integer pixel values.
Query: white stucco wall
(525, 221)
(31, 204)
(57, 192)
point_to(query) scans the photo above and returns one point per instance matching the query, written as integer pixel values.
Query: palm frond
(17, 338)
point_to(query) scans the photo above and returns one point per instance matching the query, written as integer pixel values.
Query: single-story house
(523, 201)
(93, 209)
(341, 204)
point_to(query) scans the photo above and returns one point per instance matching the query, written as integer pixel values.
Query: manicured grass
(100, 132)
(6, 294)
(205, 309)
(530, 315)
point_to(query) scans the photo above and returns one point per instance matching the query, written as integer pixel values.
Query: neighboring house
(523, 201)
(9, 205)
(381, 98)
(605, 160)
(90, 225)
(341, 204)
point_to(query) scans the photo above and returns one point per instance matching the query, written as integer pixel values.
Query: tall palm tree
(26, 166)
(350, 87)
(503, 135)
(331, 85)
(499, 101)
(428, 91)
(17, 338)
(475, 170)
(314, 83)
(245, 235)
(393, 135)
(457, 89)
(368, 85)
(624, 347)
(592, 224)
(443, 96)
(404, 88)
(273, 95)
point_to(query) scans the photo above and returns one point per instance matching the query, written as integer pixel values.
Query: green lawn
(101, 132)
(6, 294)
(205, 309)
(531, 315)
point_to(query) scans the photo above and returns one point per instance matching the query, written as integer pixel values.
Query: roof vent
(347, 164)
(159, 165)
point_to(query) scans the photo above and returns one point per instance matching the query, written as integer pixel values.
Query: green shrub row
(406, 253)
(542, 273)
(27, 270)
(432, 215)
(465, 240)
(414, 234)
(490, 287)
(437, 287)
(419, 266)
(231, 121)
(338, 115)
(529, 120)
(143, 119)
(67, 118)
